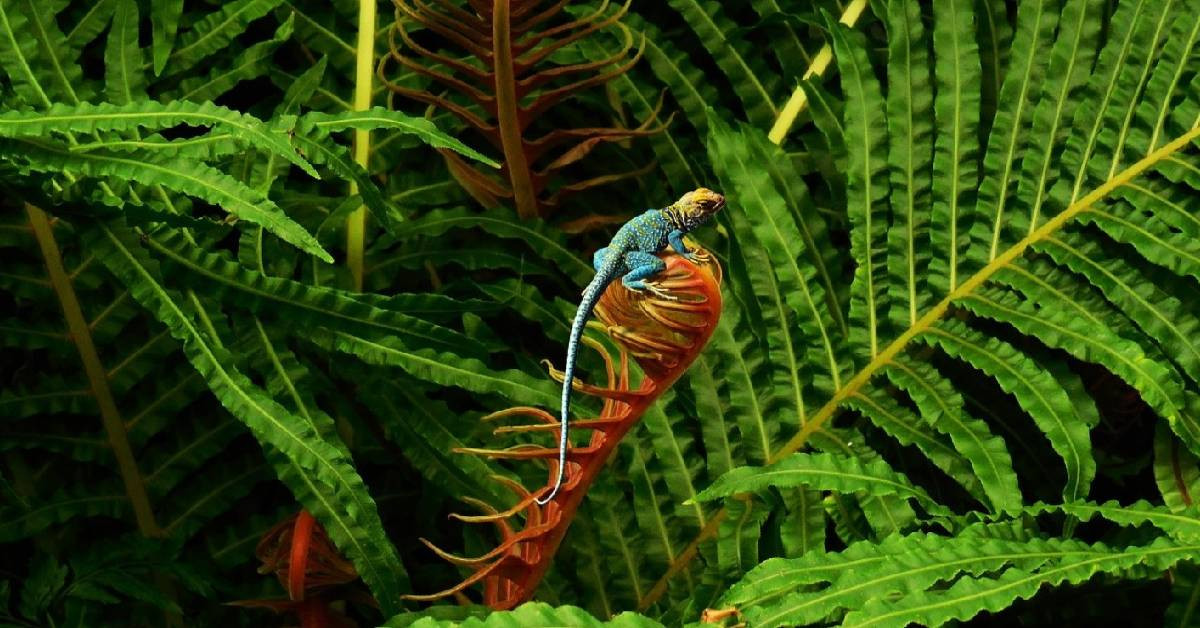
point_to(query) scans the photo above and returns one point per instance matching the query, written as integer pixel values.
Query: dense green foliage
(957, 375)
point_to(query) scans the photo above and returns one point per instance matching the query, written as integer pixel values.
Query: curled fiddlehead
(664, 336)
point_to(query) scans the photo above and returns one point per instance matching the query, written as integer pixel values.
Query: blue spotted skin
(631, 256)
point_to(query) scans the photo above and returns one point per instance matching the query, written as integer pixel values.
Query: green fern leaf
(866, 191)
(802, 529)
(1176, 471)
(88, 118)
(251, 63)
(410, 418)
(191, 178)
(956, 145)
(124, 81)
(545, 242)
(214, 32)
(970, 596)
(379, 118)
(907, 428)
(1036, 389)
(323, 306)
(437, 367)
(1185, 595)
(164, 22)
(529, 614)
(78, 501)
(353, 523)
(822, 472)
(772, 225)
(91, 23)
(1036, 22)
(910, 158)
(754, 86)
(943, 407)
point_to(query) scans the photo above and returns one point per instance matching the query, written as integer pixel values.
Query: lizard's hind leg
(598, 258)
(643, 266)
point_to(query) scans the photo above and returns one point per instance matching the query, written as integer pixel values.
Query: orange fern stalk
(664, 336)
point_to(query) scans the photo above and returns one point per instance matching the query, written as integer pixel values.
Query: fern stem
(967, 287)
(927, 321)
(356, 223)
(507, 113)
(709, 530)
(799, 99)
(81, 335)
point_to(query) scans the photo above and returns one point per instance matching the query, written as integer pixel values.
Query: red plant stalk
(300, 540)
(664, 336)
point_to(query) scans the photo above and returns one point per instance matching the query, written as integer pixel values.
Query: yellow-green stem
(81, 335)
(356, 224)
(932, 316)
(799, 98)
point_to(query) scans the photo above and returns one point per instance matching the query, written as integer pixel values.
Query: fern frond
(354, 522)
(428, 433)
(197, 502)
(124, 80)
(220, 276)
(213, 33)
(1036, 389)
(1176, 470)
(546, 242)
(91, 23)
(529, 614)
(192, 178)
(943, 407)
(73, 502)
(253, 62)
(866, 192)
(1036, 22)
(910, 155)
(437, 367)
(972, 595)
(956, 145)
(754, 85)
(822, 472)
(379, 118)
(89, 118)
(164, 23)
(772, 228)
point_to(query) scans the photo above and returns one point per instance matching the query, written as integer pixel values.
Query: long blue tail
(587, 303)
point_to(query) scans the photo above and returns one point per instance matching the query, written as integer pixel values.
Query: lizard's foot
(657, 290)
(698, 256)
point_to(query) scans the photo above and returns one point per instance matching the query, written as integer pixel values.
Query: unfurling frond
(500, 77)
(663, 336)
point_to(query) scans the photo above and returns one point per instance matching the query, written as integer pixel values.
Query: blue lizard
(631, 256)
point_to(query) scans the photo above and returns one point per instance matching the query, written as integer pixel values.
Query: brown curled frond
(496, 55)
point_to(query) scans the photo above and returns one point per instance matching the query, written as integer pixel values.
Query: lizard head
(695, 208)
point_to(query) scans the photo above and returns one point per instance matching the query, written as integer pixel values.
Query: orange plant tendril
(664, 336)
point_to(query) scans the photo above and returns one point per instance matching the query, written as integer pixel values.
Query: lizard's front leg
(642, 266)
(675, 238)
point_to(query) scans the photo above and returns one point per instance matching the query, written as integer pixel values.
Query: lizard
(631, 256)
